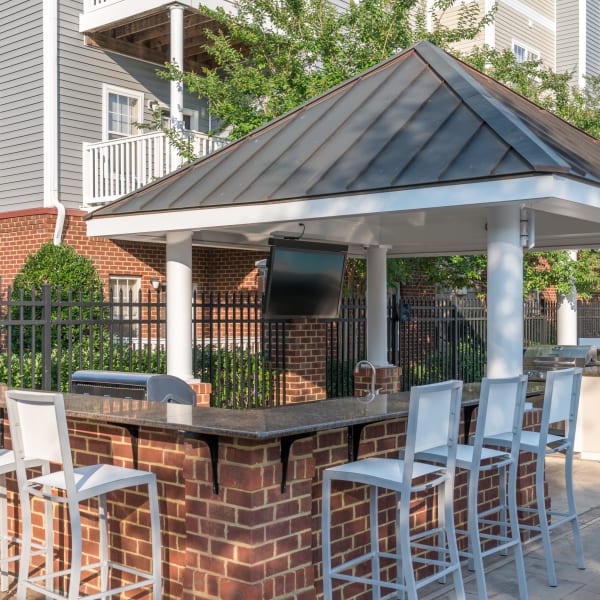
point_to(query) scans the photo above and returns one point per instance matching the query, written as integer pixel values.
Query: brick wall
(23, 232)
(249, 541)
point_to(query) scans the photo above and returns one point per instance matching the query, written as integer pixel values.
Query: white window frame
(187, 112)
(108, 89)
(133, 284)
(530, 53)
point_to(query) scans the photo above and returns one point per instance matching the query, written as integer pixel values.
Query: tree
(271, 55)
(61, 267)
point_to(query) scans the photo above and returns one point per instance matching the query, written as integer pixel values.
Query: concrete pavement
(572, 583)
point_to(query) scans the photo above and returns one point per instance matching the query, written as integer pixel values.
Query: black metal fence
(46, 336)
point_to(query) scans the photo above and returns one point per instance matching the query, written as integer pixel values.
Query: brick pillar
(203, 391)
(386, 378)
(305, 353)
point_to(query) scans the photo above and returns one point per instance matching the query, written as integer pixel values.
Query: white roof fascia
(498, 191)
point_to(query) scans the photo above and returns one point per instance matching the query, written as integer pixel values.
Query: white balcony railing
(118, 167)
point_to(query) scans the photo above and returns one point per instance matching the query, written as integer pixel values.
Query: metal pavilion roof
(421, 131)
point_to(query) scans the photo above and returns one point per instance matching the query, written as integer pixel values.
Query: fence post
(46, 336)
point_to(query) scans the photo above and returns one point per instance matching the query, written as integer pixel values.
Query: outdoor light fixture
(527, 228)
(156, 284)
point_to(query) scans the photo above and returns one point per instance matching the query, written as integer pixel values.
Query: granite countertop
(260, 423)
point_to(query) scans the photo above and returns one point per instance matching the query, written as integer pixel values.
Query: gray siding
(21, 118)
(567, 36)
(83, 71)
(593, 38)
(513, 25)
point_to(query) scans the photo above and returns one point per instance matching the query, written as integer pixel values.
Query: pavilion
(419, 155)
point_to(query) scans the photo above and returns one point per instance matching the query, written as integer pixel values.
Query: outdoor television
(304, 279)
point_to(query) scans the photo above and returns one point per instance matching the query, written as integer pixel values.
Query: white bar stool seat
(561, 402)
(500, 412)
(38, 427)
(433, 420)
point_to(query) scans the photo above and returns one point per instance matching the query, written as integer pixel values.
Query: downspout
(50, 144)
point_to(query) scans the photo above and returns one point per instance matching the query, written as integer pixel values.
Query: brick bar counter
(241, 490)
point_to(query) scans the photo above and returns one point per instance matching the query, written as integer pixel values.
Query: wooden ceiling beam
(106, 42)
(193, 60)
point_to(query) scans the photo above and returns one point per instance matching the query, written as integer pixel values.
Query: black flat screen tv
(304, 279)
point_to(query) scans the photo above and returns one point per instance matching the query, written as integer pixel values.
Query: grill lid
(537, 360)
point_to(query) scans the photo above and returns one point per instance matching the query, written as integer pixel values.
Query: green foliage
(58, 266)
(239, 378)
(437, 366)
(272, 56)
(538, 83)
(559, 270)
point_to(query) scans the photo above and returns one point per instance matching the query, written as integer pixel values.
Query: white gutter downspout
(50, 85)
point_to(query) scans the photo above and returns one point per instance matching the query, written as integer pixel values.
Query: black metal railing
(45, 336)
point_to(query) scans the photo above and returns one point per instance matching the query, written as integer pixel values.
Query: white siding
(21, 149)
(567, 36)
(593, 38)
(83, 71)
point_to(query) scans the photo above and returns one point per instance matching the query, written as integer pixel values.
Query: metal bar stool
(561, 402)
(38, 427)
(8, 465)
(433, 420)
(500, 412)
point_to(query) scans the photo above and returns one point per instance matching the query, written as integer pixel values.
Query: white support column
(505, 293)
(176, 99)
(179, 305)
(566, 314)
(377, 305)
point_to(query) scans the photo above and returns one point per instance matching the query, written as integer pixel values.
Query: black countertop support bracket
(212, 441)
(467, 414)
(354, 433)
(134, 435)
(286, 444)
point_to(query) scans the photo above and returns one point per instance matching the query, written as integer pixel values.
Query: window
(124, 290)
(523, 53)
(190, 119)
(122, 110)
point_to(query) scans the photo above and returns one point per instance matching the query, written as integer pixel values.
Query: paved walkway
(572, 583)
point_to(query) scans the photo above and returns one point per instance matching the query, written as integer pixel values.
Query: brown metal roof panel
(450, 139)
(378, 126)
(574, 145)
(308, 137)
(344, 129)
(215, 186)
(403, 146)
(511, 163)
(473, 88)
(480, 158)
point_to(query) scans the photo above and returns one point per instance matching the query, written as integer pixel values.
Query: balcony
(142, 29)
(117, 167)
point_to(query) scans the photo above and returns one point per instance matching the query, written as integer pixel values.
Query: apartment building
(564, 34)
(78, 78)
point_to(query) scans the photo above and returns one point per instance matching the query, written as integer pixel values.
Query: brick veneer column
(203, 391)
(305, 354)
(251, 541)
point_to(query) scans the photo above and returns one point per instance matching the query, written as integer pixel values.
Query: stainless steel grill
(538, 360)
